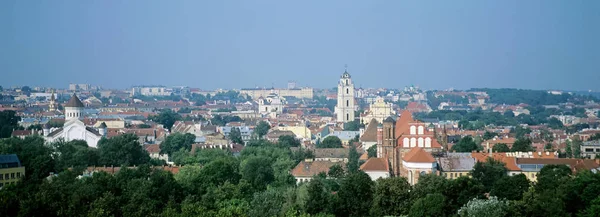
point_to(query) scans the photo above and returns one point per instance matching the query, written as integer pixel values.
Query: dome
(74, 102)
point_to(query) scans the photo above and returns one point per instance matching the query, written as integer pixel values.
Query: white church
(74, 128)
(344, 111)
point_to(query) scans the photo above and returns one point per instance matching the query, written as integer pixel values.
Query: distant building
(11, 170)
(150, 91)
(379, 110)
(74, 128)
(345, 108)
(305, 170)
(79, 87)
(590, 149)
(300, 93)
(271, 106)
(455, 165)
(244, 130)
(416, 163)
(376, 168)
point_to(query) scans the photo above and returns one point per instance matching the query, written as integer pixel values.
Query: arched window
(347, 116)
(427, 142)
(347, 103)
(346, 81)
(406, 143)
(420, 142)
(347, 90)
(413, 142)
(413, 130)
(410, 177)
(420, 130)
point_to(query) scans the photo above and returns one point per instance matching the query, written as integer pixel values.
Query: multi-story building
(379, 110)
(151, 91)
(11, 170)
(590, 149)
(78, 87)
(301, 93)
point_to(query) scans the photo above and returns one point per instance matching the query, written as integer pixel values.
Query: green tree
(466, 144)
(318, 198)
(488, 172)
(8, 122)
(510, 187)
(430, 205)
(258, 172)
(355, 195)
(500, 147)
(176, 142)
(576, 146)
(122, 150)
(392, 197)
(492, 207)
(551, 177)
(429, 184)
(352, 125)
(166, 117)
(459, 191)
(267, 203)
(33, 154)
(336, 171)
(520, 132)
(595, 137)
(353, 157)
(593, 209)
(554, 123)
(522, 145)
(372, 151)
(288, 141)
(568, 149)
(262, 129)
(236, 136)
(489, 135)
(73, 154)
(581, 191)
(330, 142)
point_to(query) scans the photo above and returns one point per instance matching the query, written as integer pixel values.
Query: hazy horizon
(240, 44)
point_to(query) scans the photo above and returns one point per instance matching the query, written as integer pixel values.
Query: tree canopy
(166, 117)
(8, 122)
(330, 142)
(466, 144)
(177, 141)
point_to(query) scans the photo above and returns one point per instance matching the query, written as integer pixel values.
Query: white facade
(74, 129)
(345, 99)
(272, 105)
(378, 174)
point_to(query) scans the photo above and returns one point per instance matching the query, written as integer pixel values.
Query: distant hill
(511, 96)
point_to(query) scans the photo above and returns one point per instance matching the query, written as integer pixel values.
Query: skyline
(474, 44)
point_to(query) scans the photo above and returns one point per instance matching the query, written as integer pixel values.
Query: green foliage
(223, 120)
(459, 191)
(236, 136)
(353, 157)
(288, 141)
(262, 128)
(336, 171)
(484, 207)
(488, 172)
(355, 195)
(352, 125)
(330, 142)
(318, 198)
(122, 150)
(489, 135)
(372, 151)
(466, 144)
(568, 149)
(258, 172)
(554, 123)
(391, 197)
(500, 147)
(576, 146)
(176, 142)
(510, 187)
(33, 154)
(595, 137)
(520, 132)
(522, 145)
(430, 205)
(8, 122)
(75, 153)
(166, 117)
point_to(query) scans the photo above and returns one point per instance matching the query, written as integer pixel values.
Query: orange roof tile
(418, 155)
(375, 164)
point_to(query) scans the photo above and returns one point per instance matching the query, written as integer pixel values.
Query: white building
(345, 99)
(272, 105)
(151, 91)
(74, 128)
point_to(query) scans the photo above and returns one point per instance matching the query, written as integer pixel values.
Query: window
(346, 81)
(420, 142)
(421, 129)
(589, 150)
(413, 130)
(406, 142)
(452, 175)
(18, 174)
(6, 176)
(347, 90)
(347, 116)
(347, 103)
(1, 177)
(413, 142)
(12, 175)
(428, 142)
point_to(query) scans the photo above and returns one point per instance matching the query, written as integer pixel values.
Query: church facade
(398, 138)
(74, 128)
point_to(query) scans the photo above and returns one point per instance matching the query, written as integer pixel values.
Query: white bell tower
(345, 99)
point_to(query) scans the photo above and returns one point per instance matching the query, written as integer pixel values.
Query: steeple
(52, 105)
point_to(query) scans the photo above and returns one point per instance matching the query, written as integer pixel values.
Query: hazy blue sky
(544, 44)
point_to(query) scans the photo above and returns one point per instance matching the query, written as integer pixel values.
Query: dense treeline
(510, 96)
(257, 183)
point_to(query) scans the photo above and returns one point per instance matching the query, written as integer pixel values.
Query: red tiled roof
(304, 168)
(418, 155)
(375, 164)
